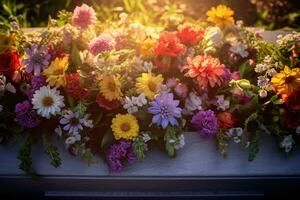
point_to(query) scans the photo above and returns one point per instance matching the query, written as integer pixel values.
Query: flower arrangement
(116, 88)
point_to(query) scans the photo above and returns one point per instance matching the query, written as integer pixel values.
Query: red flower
(9, 63)
(292, 116)
(106, 104)
(207, 70)
(189, 35)
(168, 44)
(56, 52)
(73, 87)
(225, 120)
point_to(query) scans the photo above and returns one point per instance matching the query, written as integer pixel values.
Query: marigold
(146, 48)
(207, 70)
(56, 72)
(149, 84)
(168, 44)
(220, 15)
(287, 81)
(110, 88)
(125, 127)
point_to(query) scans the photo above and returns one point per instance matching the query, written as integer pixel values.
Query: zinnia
(168, 44)
(73, 86)
(189, 35)
(207, 70)
(9, 63)
(83, 17)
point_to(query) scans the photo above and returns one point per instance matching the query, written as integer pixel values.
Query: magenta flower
(102, 43)
(205, 122)
(25, 115)
(83, 17)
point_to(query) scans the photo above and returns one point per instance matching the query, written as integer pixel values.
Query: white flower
(140, 100)
(146, 137)
(132, 104)
(47, 101)
(58, 131)
(263, 93)
(271, 72)
(70, 140)
(239, 49)
(87, 122)
(180, 143)
(192, 103)
(298, 130)
(222, 103)
(261, 67)
(213, 36)
(287, 143)
(237, 131)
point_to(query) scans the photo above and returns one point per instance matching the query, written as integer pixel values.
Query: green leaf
(75, 57)
(52, 152)
(24, 156)
(254, 146)
(170, 134)
(139, 148)
(107, 138)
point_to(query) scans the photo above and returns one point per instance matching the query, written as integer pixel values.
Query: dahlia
(83, 17)
(189, 35)
(168, 44)
(9, 63)
(205, 122)
(207, 70)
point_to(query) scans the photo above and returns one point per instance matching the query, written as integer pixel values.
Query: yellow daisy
(110, 87)
(148, 84)
(287, 81)
(125, 127)
(220, 15)
(55, 73)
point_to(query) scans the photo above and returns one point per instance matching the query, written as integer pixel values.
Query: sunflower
(220, 15)
(287, 81)
(56, 72)
(125, 126)
(149, 84)
(110, 87)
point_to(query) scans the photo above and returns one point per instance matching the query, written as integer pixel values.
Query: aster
(72, 122)
(165, 110)
(83, 17)
(205, 122)
(37, 59)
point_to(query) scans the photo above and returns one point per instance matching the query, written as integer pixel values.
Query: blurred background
(268, 14)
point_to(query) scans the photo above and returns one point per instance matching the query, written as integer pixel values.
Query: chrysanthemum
(190, 35)
(205, 122)
(110, 88)
(287, 81)
(102, 43)
(148, 84)
(83, 17)
(220, 15)
(165, 110)
(207, 70)
(25, 116)
(125, 126)
(47, 101)
(37, 59)
(56, 72)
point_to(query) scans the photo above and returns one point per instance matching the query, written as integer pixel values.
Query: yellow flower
(56, 72)
(110, 88)
(125, 127)
(146, 48)
(287, 81)
(148, 84)
(220, 15)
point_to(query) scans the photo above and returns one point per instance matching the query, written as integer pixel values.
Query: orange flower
(207, 70)
(189, 35)
(225, 120)
(168, 44)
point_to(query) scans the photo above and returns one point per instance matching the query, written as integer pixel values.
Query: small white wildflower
(70, 140)
(262, 81)
(87, 122)
(58, 131)
(222, 103)
(236, 140)
(146, 137)
(192, 103)
(140, 100)
(123, 17)
(77, 137)
(237, 131)
(239, 49)
(287, 143)
(261, 68)
(262, 93)
(271, 72)
(180, 143)
(163, 88)
(247, 144)
(129, 105)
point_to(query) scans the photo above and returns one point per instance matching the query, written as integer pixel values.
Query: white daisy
(47, 101)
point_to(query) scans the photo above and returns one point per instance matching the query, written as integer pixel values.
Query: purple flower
(72, 122)
(102, 43)
(36, 83)
(119, 154)
(25, 115)
(205, 122)
(165, 110)
(38, 59)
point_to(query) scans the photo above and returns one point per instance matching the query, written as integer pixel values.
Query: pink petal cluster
(83, 17)
(102, 43)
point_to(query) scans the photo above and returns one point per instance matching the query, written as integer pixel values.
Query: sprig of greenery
(24, 156)
(52, 152)
(139, 148)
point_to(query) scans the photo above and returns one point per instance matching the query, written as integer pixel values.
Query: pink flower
(181, 90)
(83, 17)
(172, 82)
(102, 43)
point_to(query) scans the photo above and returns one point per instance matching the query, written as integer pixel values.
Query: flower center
(125, 126)
(152, 86)
(74, 121)
(112, 86)
(290, 79)
(47, 101)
